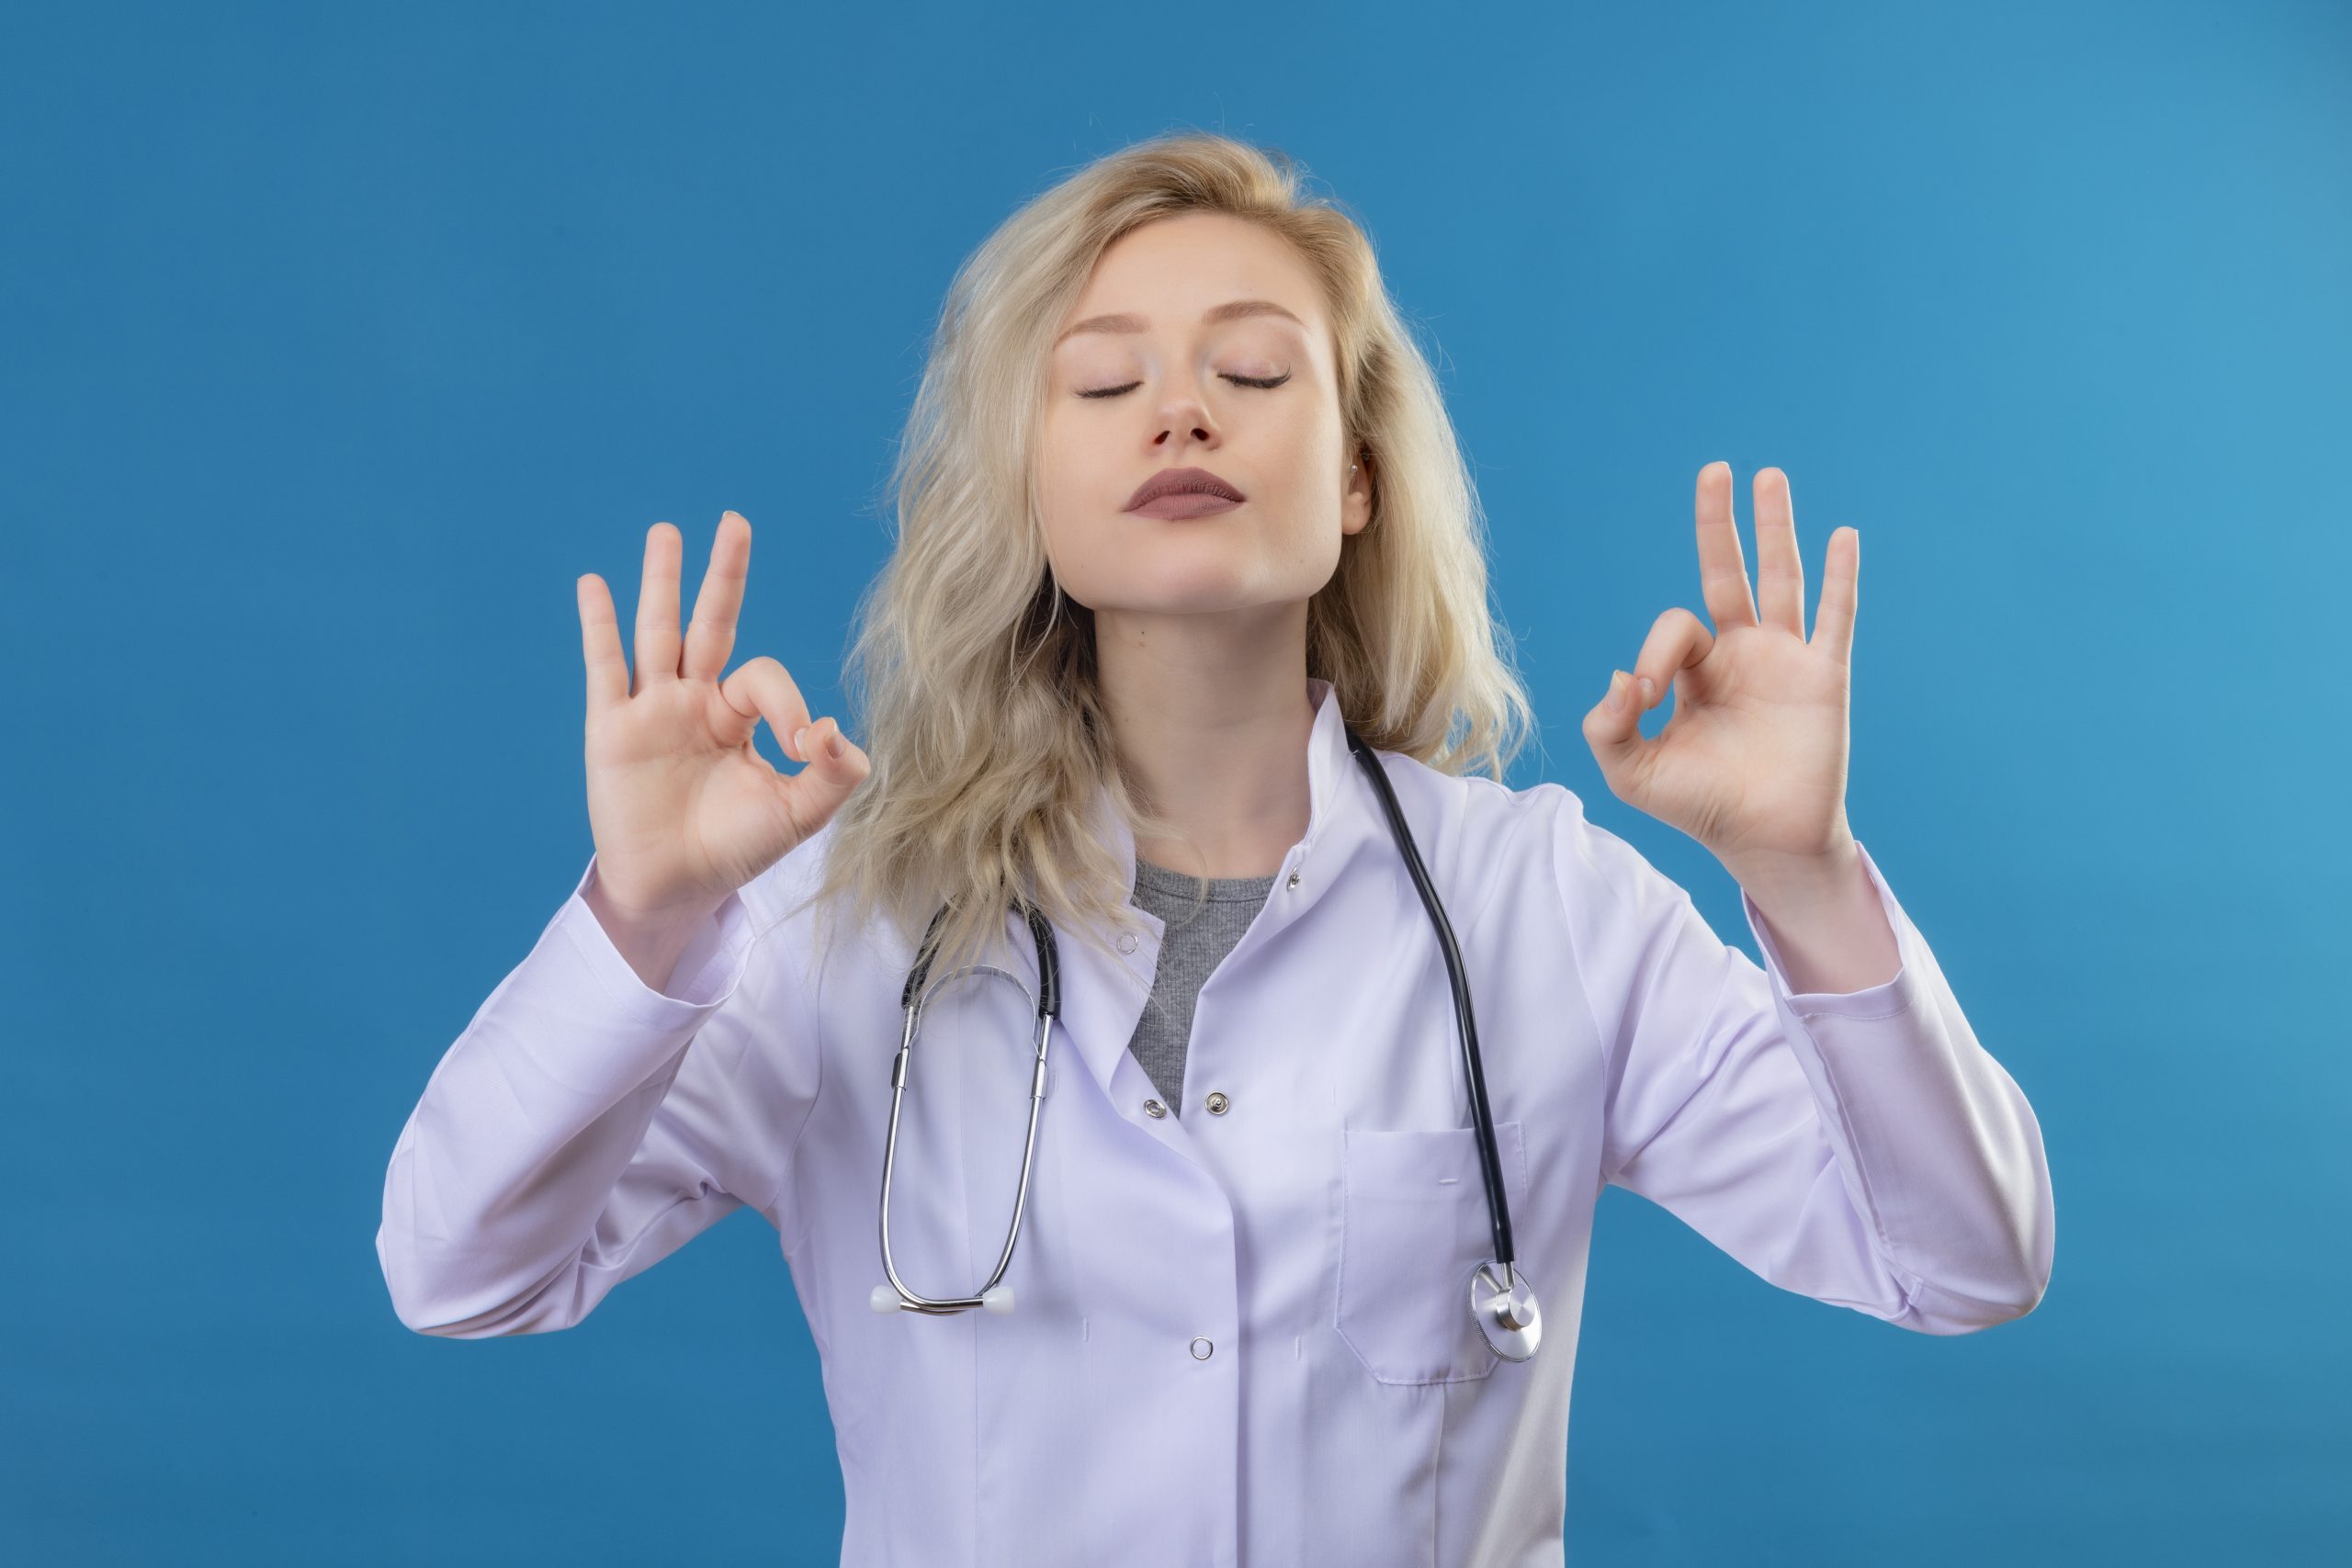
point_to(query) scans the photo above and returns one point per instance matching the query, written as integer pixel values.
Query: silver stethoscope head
(1504, 1303)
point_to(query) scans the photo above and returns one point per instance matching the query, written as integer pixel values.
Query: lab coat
(1239, 1337)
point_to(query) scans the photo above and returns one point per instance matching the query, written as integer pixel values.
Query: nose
(1188, 426)
(1184, 413)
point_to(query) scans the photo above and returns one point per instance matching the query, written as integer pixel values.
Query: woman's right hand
(684, 808)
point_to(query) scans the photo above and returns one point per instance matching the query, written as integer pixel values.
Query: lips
(1176, 506)
(1196, 483)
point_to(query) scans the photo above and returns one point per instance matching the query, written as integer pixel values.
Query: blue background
(338, 344)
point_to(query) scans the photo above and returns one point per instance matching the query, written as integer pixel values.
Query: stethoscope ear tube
(994, 1295)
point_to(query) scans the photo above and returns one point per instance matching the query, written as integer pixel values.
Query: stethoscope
(1501, 1301)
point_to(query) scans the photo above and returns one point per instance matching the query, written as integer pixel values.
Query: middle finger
(710, 635)
(1780, 570)
(657, 608)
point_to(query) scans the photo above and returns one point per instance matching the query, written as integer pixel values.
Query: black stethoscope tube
(1507, 1302)
(1490, 1159)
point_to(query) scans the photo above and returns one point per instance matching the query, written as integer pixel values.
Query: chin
(1194, 583)
(1165, 597)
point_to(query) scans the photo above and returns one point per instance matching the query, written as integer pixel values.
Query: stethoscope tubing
(992, 1294)
(1473, 1069)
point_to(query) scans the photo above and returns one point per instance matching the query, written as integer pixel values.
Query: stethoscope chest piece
(1506, 1314)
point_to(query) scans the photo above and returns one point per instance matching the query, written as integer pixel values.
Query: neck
(1212, 720)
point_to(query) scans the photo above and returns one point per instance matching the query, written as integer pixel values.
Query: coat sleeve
(585, 1126)
(1858, 1147)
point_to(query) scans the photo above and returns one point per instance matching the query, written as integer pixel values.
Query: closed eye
(1265, 382)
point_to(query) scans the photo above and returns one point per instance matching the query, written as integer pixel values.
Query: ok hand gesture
(683, 807)
(1752, 763)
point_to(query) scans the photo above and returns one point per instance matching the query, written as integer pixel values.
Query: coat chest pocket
(1413, 1224)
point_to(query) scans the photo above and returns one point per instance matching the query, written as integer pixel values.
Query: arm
(1858, 1147)
(585, 1126)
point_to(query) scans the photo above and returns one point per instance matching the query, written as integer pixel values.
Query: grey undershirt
(1195, 943)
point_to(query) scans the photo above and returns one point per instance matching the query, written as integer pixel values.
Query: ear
(1355, 503)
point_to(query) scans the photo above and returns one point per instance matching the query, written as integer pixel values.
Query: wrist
(650, 938)
(1774, 878)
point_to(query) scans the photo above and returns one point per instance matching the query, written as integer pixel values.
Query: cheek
(1081, 546)
(1073, 463)
(1303, 508)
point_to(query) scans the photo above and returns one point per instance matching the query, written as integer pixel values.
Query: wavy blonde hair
(975, 674)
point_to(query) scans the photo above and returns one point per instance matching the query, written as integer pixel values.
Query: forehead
(1170, 273)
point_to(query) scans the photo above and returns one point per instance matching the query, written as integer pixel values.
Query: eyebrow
(1231, 311)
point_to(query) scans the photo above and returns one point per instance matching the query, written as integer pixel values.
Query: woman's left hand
(1752, 763)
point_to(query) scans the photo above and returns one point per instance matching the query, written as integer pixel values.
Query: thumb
(1615, 733)
(836, 767)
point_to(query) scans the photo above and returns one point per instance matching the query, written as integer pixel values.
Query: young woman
(1187, 594)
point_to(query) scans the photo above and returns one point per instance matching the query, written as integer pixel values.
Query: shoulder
(1477, 809)
(1485, 833)
(1494, 833)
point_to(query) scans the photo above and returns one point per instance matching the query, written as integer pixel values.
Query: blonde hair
(973, 675)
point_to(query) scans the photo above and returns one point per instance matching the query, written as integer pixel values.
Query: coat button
(1294, 880)
(1201, 1348)
(1217, 1102)
(1126, 942)
(1155, 1107)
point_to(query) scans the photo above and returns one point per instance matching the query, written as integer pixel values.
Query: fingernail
(1616, 700)
(800, 742)
(1649, 690)
(833, 746)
